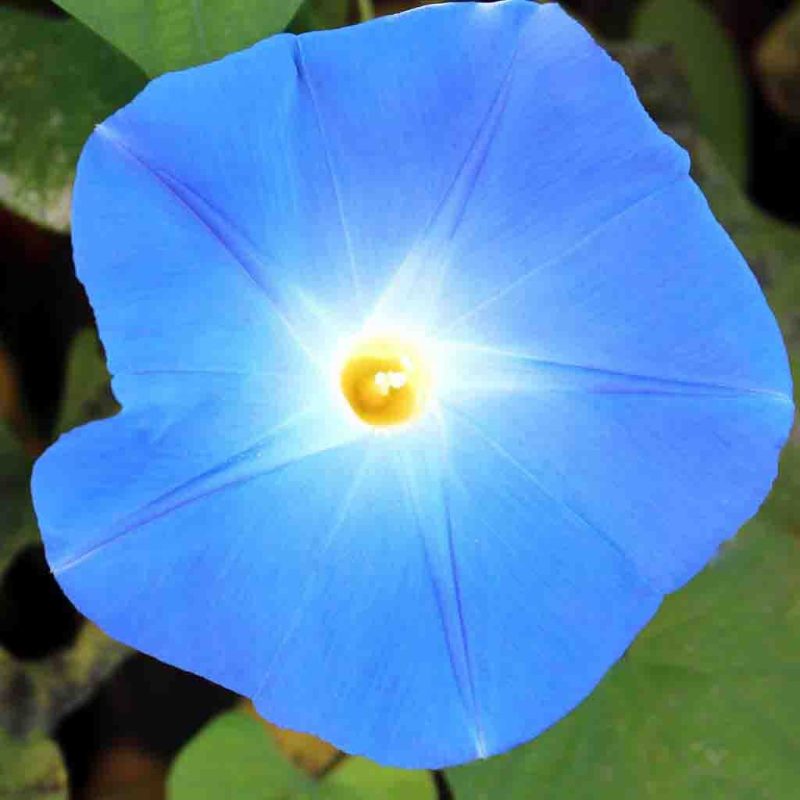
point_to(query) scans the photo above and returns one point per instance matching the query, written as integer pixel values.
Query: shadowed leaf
(57, 81)
(712, 68)
(235, 757)
(36, 695)
(315, 15)
(173, 34)
(31, 770)
(17, 526)
(87, 389)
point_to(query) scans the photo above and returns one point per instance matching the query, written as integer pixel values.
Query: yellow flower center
(385, 381)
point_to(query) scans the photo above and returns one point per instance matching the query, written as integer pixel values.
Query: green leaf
(87, 387)
(706, 701)
(87, 396)
(57, 81)
(234, 757)
(712, 68)
(366, 9)
(361, 779)
(14, 464)
(31, 770)
(38, 694)
(164, 35)
(17, 525)
(317, 15)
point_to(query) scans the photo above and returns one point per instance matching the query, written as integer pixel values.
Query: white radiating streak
(304, 76)
(422, 462)
(317, 568)
(534, 266)
(411, 300)
(320, 326)
(418, 287)
(299, 436)
(474, 370)
(306, 322)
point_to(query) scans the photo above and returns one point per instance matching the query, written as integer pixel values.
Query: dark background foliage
(118, 728)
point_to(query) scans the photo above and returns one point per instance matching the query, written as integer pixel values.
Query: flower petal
(615, 372)
(640, 377)
(318, 192)
(302, 583)
(659, 291)
(665, 476)
(405, 133)
(168, 293)
(546, 605)
(572, 514)
(343, 167)
(182, 437)
(564, 148)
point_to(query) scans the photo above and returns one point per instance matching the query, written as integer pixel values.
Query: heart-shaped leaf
(31, 769)
(712, 68)
(315, 15)
(234, 757)
(87, 387)
(58, 81)
(173, 34)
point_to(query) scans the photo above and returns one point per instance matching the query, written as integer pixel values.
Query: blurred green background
(704, 705)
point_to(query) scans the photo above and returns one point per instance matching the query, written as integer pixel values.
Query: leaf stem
(366, 10)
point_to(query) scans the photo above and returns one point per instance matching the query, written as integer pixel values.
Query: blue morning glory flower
(437, 374)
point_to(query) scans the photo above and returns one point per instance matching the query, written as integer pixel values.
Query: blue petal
(665, 477)
(168, 291)
(543, 604)
(657, 291)
(642, 378)
(563, 147)
(194, 435)
(617, 390)
(300, 583)
(407, 105)
(320, 161)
